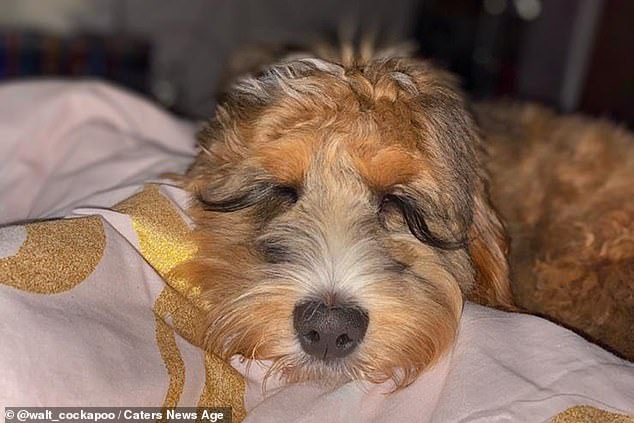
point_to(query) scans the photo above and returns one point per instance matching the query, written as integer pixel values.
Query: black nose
(329, 331)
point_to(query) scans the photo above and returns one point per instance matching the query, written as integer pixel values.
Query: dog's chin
(298, 368)
(302, 368)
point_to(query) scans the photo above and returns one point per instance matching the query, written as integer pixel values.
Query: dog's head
(341, 217)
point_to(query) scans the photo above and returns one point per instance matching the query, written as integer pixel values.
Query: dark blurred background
(574, 55)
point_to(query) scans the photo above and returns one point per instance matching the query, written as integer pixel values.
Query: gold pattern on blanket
(166, 340)
(164, 243)
(222, 384)
(56, 256)
(161, 230)
(588, 414)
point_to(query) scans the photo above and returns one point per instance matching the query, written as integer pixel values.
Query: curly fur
(565, 188)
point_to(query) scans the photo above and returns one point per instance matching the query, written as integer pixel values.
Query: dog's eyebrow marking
(287, 160)
(386, 168)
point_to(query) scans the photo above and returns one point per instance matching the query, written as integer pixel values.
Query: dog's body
(342, 216)
(564, 186)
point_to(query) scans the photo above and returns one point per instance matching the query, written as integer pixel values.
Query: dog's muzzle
(329, 331)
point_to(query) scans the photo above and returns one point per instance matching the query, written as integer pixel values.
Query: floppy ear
(488, 248)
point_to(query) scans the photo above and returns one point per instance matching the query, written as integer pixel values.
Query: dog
(342, 216)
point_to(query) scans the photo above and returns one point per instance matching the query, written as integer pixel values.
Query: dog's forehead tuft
(302, 77)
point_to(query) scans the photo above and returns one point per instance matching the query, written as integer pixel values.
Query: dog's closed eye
(258, 193)
(387, 202)
(415, 219)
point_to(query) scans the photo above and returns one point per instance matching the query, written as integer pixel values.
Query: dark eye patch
(415, 219)
(288, 192)
(387, 201)
(273, 250)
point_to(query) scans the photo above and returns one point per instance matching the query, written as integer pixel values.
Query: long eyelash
(259, 193)
(239, 202)
(415, 220)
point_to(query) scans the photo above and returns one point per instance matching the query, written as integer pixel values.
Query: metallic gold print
(223, 385)
(161, 230)
(56, 256)
(163, 239)
(588, 414)
(170, 354)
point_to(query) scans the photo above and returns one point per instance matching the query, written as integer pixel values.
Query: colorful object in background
(122, 59)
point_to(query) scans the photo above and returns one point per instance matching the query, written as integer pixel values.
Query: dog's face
(340, 218)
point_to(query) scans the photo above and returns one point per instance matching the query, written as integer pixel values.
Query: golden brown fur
(565, 188)
(360, 183)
